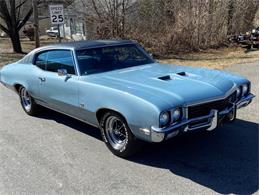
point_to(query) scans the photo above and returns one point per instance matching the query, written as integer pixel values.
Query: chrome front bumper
(208, 122)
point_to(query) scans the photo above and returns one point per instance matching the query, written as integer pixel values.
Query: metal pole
(36, 23)
(63, 28)
(59, 33)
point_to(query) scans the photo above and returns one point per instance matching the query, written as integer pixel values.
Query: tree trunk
(231, 10)
(210, 22)
(15, 39)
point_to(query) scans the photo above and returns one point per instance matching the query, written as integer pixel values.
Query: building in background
(76, 25)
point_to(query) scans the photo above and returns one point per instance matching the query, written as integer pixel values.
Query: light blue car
(116, 85)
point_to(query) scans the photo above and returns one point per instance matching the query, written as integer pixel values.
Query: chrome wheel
(26, 100)
(116, 132)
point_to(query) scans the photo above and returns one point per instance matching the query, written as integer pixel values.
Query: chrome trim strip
(214, 121)
(227, 110)
(184, 122)
(76, 62)
(157, 136)
(44, 105)
(38, 52)
(245, 101)
(233, 89)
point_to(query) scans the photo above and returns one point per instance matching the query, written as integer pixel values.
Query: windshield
(97, 60)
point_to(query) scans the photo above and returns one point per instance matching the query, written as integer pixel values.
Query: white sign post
(57, 16)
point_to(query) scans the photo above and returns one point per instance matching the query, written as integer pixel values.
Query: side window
(60, 59)
(40, 60)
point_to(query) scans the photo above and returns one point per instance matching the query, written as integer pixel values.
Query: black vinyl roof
(79, 45)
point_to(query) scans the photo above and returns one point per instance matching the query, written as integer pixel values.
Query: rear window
(40, 60)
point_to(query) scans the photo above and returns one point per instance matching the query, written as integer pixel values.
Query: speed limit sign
(56, 13)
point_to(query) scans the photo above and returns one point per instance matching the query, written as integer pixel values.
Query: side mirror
(151, 55)
(62, 72)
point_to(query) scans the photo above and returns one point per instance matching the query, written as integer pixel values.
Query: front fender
(138, 113)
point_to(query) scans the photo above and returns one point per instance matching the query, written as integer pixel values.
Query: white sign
(56, 13)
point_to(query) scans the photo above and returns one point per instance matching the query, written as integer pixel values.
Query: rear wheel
(118, 136)
(27, 102)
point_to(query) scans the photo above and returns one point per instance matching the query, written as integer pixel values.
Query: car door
(59, 82)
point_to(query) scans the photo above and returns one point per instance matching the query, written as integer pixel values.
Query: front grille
(204, 109)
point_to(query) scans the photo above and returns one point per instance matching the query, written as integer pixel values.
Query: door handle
(42, 79)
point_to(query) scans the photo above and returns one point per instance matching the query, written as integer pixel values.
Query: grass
(212, 58)
(215, 58)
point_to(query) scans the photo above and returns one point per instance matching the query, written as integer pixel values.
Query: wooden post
(36, 23)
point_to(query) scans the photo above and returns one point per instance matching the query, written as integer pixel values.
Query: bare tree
(14, 20)
(164, 26)
(167, 26)
(109, 16)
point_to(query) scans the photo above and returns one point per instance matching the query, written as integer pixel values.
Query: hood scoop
(182, 73)
(165, 78)
(168, 77)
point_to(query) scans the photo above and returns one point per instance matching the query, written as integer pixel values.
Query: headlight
(239, 92)
(176, 114)
(245, 89)
(164, 118)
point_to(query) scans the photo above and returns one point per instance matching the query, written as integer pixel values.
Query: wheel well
(103, 111)
(17, 87)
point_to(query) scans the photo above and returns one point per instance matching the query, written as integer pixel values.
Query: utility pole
(36, 23)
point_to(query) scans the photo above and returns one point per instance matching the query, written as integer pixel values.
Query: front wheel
(118, 136)
(27, 102)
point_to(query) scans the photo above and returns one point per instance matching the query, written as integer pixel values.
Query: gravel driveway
(56, 154)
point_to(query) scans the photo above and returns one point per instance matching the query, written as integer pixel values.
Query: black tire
(131, 143)
(30, 108)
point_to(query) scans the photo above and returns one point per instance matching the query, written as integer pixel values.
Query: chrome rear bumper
(208, 122)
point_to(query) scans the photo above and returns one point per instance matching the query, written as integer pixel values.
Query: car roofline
(81, 45)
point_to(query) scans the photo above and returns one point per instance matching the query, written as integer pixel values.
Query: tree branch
(5, 15)
(25, 19)
(19, 10)
(96, 9)
(4, 29)
(21, 3)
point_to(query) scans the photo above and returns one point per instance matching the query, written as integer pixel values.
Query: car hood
(170, 85)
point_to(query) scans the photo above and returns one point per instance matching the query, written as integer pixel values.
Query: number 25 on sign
(56, 14)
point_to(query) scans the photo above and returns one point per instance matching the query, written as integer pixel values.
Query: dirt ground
(216, 58)
(212, 58)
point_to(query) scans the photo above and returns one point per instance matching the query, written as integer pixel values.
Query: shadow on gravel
(225, 160)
